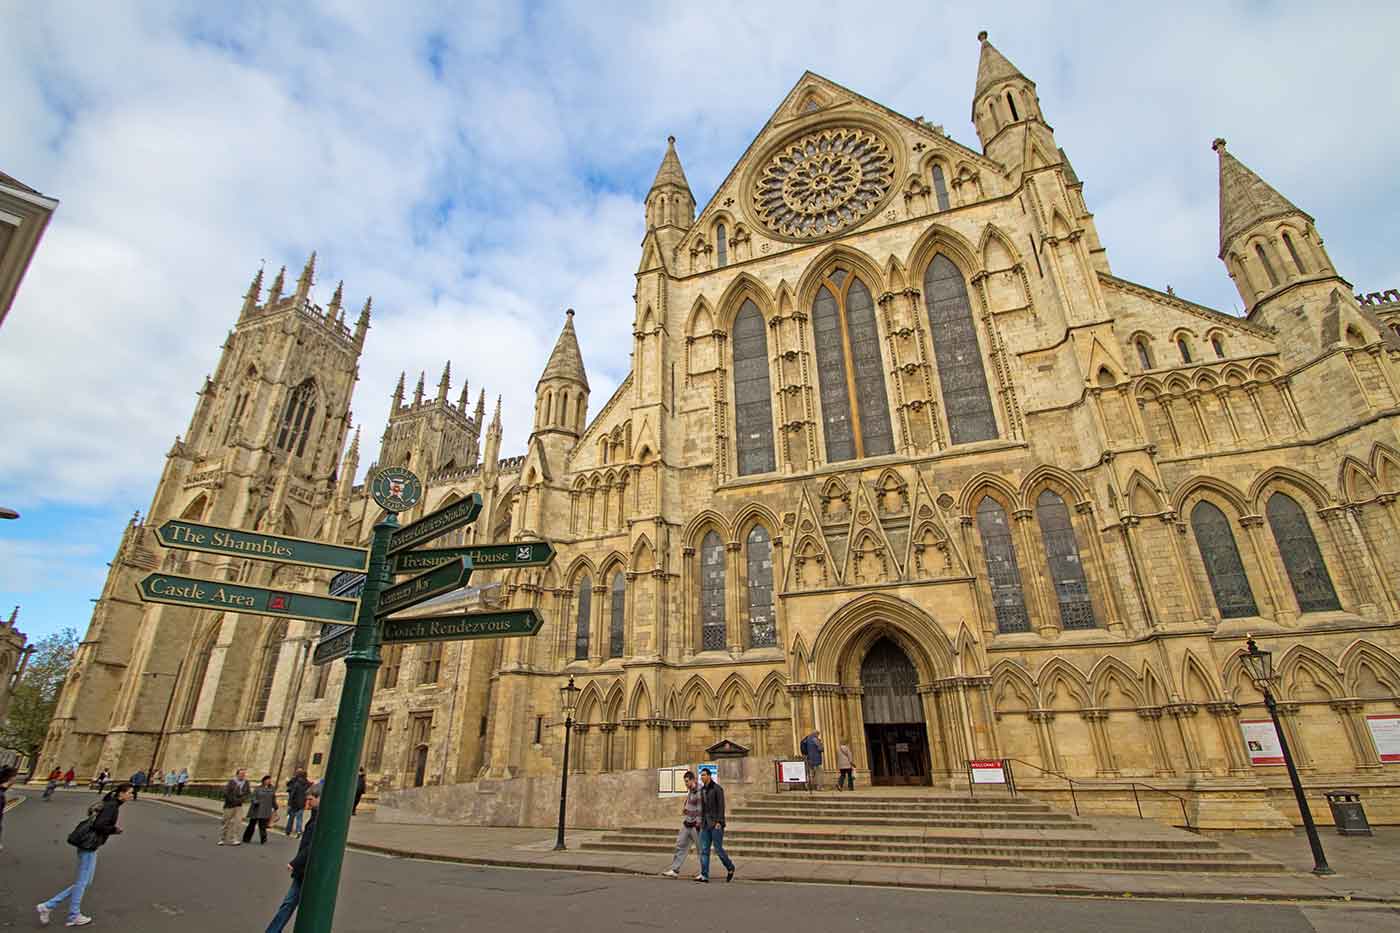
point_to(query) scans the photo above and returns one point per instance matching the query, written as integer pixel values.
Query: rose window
(824, 182)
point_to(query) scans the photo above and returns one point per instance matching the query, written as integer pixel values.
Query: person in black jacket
(712, 826)
(104, 826)
(359, 791)
(7, 777)
(298, 867)
(296, 800)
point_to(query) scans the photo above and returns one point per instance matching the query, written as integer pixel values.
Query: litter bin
(1347, 813)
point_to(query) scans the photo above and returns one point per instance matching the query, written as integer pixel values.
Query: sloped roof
(1245, 198)
(670, 172)
(993, 67)
(566, 362)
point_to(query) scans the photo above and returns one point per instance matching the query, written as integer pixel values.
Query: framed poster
(792, 772)
(1385, 732)
(1261, 739)
(987, 772)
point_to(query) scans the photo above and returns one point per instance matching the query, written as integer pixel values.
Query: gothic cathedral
(898, 457)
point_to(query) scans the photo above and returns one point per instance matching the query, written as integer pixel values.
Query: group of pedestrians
(813, 752)
(702, 826)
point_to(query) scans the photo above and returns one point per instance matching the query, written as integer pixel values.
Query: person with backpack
(297, 866)
(262, 810)
(138, 781)
(812, 748)
(87, 837)
(296, 800)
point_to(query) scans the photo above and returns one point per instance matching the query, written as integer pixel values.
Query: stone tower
(431, 435)
(263, 451)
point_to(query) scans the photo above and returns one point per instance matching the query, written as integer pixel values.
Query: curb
(795, 878)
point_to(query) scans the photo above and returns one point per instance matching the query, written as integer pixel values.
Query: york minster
(899, 458)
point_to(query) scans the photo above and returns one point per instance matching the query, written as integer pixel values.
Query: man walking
(235, 795)
(261, 810)
(171, 778)
(690, 826)
(298, 867)
(183, 779)
(846, 766)
(138, 781)
(296, 800)
(712, 826)
(812, 751)
(102, 777)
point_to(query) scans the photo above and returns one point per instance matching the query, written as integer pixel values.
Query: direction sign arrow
(450, 518)
(512, 623)
(212, 539)
(483, 556)
(254, 600)
(443, 578)
(335, 643)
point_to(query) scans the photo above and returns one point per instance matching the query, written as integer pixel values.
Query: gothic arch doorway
(896, 736)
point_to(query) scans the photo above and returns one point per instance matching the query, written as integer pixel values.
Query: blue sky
(478, 168)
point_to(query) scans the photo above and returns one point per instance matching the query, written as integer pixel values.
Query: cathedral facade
(898, 457)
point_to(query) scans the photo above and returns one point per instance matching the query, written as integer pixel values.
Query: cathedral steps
(946, 831)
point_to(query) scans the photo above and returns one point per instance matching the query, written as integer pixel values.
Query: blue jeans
(289, 906)
(715, 837)
(294, 816)
(87, 863)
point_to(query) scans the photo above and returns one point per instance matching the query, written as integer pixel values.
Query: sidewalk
(1368, 868)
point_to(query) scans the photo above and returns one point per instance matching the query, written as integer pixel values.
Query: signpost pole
(318, 893)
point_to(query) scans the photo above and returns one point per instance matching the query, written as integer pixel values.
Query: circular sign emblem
(396, 489)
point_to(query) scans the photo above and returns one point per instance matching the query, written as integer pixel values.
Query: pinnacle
(1245, 198)
(670, 172)
(566, 362)
(993, 67)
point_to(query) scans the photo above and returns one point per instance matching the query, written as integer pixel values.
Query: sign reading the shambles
(212, 539)
(254, 600)
(483, 557)
(454, 516)
(509, 624)
(1261, 739)
(1385, 732)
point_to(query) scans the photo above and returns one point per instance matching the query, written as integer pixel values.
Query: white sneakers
(670, 873)
(79, 921)
(43, 915)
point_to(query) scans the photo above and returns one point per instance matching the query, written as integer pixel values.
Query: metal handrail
(1132, 784)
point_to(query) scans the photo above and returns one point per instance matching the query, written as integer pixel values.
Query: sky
(478, 168)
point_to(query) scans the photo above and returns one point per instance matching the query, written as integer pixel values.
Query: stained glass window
(617, 615)
(721, 246)
(1003, 573)
(848, 358)
(966, 400)
(585, 605)
(267, 670)
(753, 405)
(195, 683)
(763, 631)
(1312, 584)
(1062, 560)
(712, 593)
(940, 188)
(831, 377)
(1228, 581)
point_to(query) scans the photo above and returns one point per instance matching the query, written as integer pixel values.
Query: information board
(1261, 739)
(1385, 732)
(990, 771)
(792, 772)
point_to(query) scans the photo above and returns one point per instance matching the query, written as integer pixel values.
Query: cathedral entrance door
(895, 734)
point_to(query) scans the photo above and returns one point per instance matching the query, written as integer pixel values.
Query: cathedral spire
(480, 408)
(274, 294)
(669, 202)
(993, 68)
(307, 278)
(333, 310)
(398, 394)
(445, 382)
(362, 325)
(464, 396)
(418, 392)
(1246, 199)
(566, 362)
(254, 293)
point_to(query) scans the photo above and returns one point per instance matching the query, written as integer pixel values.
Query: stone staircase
(928, 829)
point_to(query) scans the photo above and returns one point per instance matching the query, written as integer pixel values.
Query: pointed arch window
(1268, 266)
(940, 187)
(617, 619)
(966, 400)
(1307, 573)
(1011, 105)
(1144, 354)
(1003, 573)
(195, 684)
(721, 246)
(267, 670)
(712, 637)
(753, 404)
(1218, 345)
(849, 367)
(1062, 559)
(585, 606)
(1184, 349)
(323, 680)
(763, 630)
(1216, 541)
(297, 418)
(1293, 252)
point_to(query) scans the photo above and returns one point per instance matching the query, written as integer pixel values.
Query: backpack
(85, 835)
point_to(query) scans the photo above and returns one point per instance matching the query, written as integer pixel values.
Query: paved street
(165, 872)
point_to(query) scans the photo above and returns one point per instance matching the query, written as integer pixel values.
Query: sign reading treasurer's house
(483, 556)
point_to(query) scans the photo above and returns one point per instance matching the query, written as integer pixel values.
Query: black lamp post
(568, 701)
(1260, 664)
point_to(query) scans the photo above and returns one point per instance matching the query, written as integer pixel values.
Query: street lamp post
(1260, 665)
(568, 700)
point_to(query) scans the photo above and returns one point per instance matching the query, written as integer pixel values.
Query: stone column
(1357, 524)
(629, 747)
(1044, 720)
(758, 728)
(1044, 611)
(1252, 390)
(945, 750)
(1161, 758)
(609, 734)
(596, 628)
(1183, 569)
(1103, 575)
(1098, 733)
(1350, 710)
(690, 586)
(579, 750)
(1227, 721)
(1267, 558)
(1288, 714)
(733, 598)
(1184, 715)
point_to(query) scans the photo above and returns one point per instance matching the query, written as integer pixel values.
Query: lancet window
(753, 405)
(721, 246)
(966, 400)
(763, 630)
(267, 670)
(849, 367)
(1307, 573)
(1228, 581)
(617, 608)
(1062, 560)
(712, 593)
(297, 418)
(940, 188)
(584, 597)
(1003, 572)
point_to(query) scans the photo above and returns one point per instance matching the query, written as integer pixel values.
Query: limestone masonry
(899, 457)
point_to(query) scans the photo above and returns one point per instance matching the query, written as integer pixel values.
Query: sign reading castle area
(235, 597)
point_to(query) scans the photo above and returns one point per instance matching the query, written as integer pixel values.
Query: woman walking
(261, 810)
(87, 837)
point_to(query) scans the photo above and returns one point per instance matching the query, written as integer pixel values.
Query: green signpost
(483, 556)
(355, 628)
(511, 623)
(235, 597)
(211, 539)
